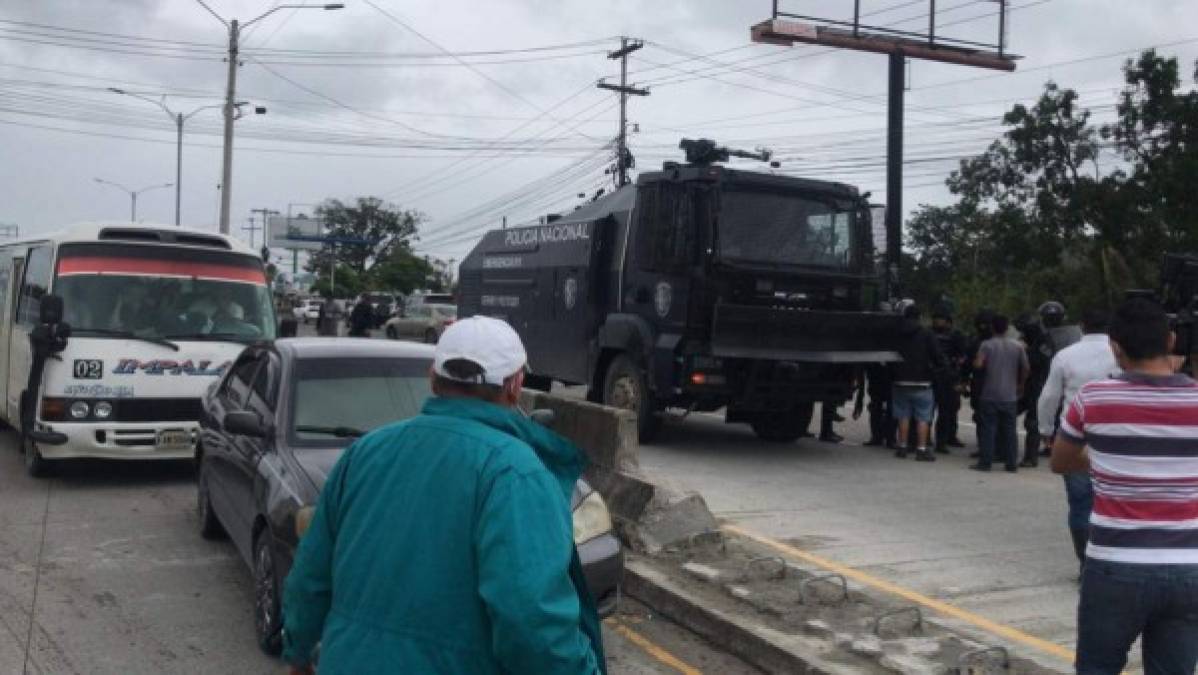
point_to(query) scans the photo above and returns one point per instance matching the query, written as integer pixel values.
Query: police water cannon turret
(698, 287)
(704, 152)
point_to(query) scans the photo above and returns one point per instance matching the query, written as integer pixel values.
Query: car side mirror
(246, 423)
(51, 309)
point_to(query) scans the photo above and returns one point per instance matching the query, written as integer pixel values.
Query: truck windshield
(163, 292)
(779, 228)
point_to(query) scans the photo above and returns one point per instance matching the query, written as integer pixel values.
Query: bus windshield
(161, 292)
(780, 228)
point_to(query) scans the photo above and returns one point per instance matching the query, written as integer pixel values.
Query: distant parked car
(310, 310)
(424, 322)
(276, 423)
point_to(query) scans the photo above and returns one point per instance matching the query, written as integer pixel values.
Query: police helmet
(1052, 313)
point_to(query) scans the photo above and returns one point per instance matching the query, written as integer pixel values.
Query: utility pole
(894, 168)
(626, 47)
(231, 112)
(226, 172)
(251, 228)
(266, 214)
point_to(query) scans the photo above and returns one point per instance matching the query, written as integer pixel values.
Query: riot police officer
(947, 382)
(1057, 336)
(1039, 358)
(1060, 335)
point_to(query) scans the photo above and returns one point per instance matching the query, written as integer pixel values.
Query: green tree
(402, 271)
(376, 230)
(348, 283)
(1038, 215)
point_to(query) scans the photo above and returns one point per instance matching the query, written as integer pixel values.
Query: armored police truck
(699, 287)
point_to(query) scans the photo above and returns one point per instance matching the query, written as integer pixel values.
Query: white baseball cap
(491, 343)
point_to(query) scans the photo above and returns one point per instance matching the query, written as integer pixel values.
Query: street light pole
(132, 194)
(178, 166)
(226, 184)
(178, 119)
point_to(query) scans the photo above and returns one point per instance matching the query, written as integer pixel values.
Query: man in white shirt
(1085, 361)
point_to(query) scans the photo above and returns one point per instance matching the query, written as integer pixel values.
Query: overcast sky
(360, 104)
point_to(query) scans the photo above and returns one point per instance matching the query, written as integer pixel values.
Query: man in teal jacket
(444, 543)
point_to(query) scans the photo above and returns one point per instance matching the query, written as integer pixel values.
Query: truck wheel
(625, 387)
(781, 427)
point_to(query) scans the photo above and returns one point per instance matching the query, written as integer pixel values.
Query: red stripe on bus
(180, 268)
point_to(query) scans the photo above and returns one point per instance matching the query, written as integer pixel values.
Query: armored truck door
(657, 281)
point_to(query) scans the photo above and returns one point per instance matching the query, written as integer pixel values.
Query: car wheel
(36, 465)
(626, 387)
(430, 336)
(783, 427)
(210, 527)
(268, 615)
(392, 334)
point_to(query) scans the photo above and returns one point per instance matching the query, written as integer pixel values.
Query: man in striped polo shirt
(1138, 436)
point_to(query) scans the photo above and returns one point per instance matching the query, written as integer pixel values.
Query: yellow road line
(653, 649)
(847, 572)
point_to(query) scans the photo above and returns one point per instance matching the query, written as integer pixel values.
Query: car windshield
(779, 228)
(337, 396)
(159, 292)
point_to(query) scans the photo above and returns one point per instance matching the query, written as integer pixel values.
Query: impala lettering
(169, 367)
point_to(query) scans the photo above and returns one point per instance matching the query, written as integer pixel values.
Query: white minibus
(143, 320)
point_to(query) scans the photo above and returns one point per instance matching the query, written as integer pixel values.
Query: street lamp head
(335, 5)
(260, 110)
(116, 90)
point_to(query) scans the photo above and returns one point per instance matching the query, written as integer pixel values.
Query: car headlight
(102, 410)
(79, 410)
(303, 519)
(591, 518)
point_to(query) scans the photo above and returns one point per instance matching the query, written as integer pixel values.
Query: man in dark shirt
(911, 397)
(361, 318)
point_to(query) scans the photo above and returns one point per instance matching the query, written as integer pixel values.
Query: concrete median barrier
(648, 517)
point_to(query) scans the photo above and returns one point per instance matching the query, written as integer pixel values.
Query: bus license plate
(173, 439)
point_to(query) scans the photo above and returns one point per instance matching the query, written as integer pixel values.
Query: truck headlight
(102, 410)
(79, 410)
(303, 519)
(591, 518)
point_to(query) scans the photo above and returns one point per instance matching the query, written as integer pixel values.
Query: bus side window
(38, 271)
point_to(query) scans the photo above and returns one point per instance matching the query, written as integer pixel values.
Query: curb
(759, 645)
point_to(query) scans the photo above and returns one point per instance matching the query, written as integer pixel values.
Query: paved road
(994, 544)
(107, 558)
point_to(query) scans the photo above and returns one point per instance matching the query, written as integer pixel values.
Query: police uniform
(948, 398)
